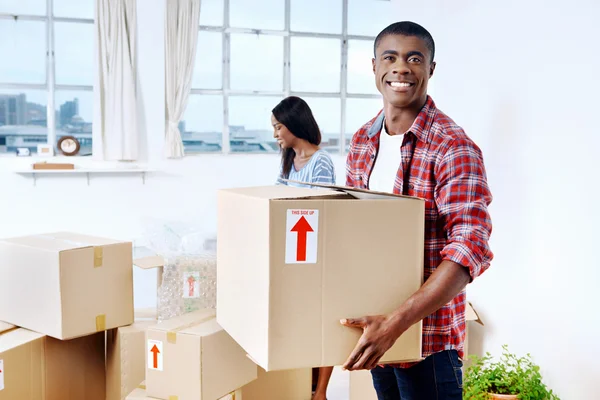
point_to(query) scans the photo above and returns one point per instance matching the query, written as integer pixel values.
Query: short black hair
(407, 28)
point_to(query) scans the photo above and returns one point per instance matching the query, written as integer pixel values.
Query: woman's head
(293, 122)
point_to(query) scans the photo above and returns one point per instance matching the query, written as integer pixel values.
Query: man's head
(403, 63)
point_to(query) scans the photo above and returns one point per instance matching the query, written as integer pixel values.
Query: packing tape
(100, 322)
(172, 334)
(173, 397)
(142, 386)
(98, 254)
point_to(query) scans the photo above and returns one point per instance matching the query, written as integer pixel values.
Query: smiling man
(413, 148)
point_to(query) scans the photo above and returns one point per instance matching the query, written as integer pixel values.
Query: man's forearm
(442, 286)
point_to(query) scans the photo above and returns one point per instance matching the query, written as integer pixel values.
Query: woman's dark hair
(296, 115)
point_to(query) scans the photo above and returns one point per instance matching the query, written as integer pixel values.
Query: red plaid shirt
(447, 171)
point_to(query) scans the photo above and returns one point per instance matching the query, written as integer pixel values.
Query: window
(46, 92)
(250, 59)
(358, 113)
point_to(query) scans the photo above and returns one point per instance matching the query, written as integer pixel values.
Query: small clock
(68, 145)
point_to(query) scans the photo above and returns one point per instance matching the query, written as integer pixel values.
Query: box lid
(282, 192)
(17, 337)
(60, 241)
(184, 321)
(5, 326)
(357, 193)
(471, 314)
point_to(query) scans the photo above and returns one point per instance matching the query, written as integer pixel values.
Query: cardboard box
(140, 394)
(470, 316)
(125, 359)
(66, 285)
(292, 262)
(193, 358)
(38, 367)
(294, 384)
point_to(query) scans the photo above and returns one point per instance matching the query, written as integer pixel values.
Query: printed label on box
(191, 285)
(155, 355)
(301, 237)
(1, 374)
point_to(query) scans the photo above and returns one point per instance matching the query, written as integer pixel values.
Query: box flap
(281, 192)
(60, 241)
(205, 328)
(5, 326)
(184, 321)
(149, 262)
(471, 314)
(363, 194)
(17, 337)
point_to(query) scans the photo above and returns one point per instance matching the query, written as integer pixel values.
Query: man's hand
(379, 334)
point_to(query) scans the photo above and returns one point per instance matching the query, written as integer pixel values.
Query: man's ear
(432, 68)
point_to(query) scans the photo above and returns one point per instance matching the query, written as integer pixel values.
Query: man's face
(402, 67)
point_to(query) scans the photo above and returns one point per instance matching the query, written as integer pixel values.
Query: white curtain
(181, 26)
(115, 128)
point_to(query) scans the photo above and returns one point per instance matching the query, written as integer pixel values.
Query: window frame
(226, 30)
(50, 85)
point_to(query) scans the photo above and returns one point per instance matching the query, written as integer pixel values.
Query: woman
(302, 160)
(299, 137)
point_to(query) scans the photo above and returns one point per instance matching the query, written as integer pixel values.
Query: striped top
(319, 169)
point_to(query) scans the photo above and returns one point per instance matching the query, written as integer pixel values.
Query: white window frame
(226, 30)
(50, 85)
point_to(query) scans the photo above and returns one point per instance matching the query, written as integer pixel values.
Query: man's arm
(462, 198)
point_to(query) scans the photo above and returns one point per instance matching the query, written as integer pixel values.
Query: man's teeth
(400, 84)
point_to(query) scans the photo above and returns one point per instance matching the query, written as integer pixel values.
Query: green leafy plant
(509, 375)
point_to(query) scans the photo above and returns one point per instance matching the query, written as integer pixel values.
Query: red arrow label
(302, 227)
(155, 352)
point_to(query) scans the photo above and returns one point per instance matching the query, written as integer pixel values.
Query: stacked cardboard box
(291, 264)
(61, 291)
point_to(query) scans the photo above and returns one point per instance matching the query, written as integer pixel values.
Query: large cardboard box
(192, 358)
(38, 367)
(293, 384)
(292, 262)
(471, 316)
(66, 285)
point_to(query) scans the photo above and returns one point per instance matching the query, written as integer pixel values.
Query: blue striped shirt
(319, 169)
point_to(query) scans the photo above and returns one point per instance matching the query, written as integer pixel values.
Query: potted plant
(509, 378)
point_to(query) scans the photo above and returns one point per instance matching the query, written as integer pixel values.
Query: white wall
(521, 79)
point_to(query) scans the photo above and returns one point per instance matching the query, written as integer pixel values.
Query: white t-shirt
(389, 159)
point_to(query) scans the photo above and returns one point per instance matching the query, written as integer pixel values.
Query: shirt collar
(420, 127)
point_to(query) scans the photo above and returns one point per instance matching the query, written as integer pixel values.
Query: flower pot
(494, 396)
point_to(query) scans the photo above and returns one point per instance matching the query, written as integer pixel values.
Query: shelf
(86, 171)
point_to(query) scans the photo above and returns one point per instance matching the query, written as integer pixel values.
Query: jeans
(437, 377)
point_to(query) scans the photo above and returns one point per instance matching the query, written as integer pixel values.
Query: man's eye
(414, 59)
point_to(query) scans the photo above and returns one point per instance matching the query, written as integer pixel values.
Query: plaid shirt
(447, 171)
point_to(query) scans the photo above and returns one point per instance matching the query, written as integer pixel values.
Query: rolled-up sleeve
(462, 198)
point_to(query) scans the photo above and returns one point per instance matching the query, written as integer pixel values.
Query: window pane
(23, 7)
(202, 124)
(18, 65)
(208, 66)
(74, 8)
(256, 62)
(361, 78)
(258, 14)
(316, 16)
(369, 17)
(327, 113)
(250, 123)
(309, 75)
(23, 119)
(211, 12)
(74, 116)
(358, 113)
(74, 53)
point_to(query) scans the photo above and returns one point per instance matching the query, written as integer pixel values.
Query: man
(412, 148)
